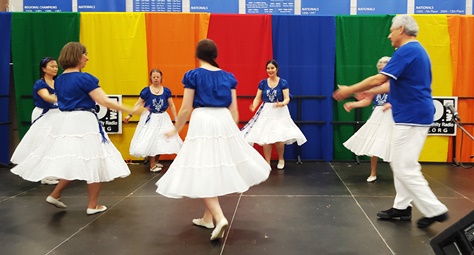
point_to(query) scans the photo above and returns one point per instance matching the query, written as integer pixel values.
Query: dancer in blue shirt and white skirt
(77, 148)
(373, 138)
(214, 160)
(272, 123)
(42, 116)
(149, 139)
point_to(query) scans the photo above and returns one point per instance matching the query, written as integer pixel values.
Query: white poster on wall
(111, 120)
(443, 118)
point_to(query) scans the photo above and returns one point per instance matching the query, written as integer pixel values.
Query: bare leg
(267, 152)
(94, 190)
(58, 190)
(207, 217)
(206, 220)
(280, 148)
(373, 166)
(157, 157)
(214, 208)
(373, 169)
(152, 162)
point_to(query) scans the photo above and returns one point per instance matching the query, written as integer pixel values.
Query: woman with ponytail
(215, 160)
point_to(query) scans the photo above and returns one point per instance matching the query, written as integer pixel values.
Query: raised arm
(233, 107)
(44, 94)
(138, 105)
(358, 104)
(99, 96)
(345, 91)
(256, 100)
(186, 109)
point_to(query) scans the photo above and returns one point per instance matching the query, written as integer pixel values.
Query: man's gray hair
(406, 21)
(382, 60)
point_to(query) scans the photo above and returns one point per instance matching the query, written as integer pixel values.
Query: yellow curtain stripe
(434, 36)
(117, 50)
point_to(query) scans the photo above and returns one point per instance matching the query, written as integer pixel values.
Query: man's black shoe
(426, 222)
(392, 213)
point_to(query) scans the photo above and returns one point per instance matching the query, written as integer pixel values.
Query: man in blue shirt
(409, 72)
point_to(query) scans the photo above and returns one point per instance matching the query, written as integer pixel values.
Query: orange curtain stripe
(171, 44)
(461, 32)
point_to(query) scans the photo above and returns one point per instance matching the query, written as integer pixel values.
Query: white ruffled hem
(36, 135)
(374, 137)
(74, 152)
(215, 159)
(149, 138)
(273, 124)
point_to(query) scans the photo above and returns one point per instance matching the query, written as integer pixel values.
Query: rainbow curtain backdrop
(314, 52)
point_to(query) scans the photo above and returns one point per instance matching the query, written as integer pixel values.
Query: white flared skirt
(374, 137)
(37, 112)
(149, 138)
(74, 150)
(37, 135)
(215, 159)
(272, 124)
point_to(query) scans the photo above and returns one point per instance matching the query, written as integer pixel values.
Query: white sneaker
(371, 178)
(281, 164)
(219, 231)
(55, 202)
(97, 209)
(156, 169)
(200, 222)
(49, 181)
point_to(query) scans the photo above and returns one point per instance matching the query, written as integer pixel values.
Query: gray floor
(309, 208)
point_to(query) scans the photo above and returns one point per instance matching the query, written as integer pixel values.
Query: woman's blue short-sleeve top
(156, 103)
(73, 90)
(212, 88)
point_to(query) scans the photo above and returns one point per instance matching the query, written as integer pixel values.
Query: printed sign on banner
(277, 7)
(47, 6)
(101, 5)
(381, 7)
(440, 7)
(157, 5)
(111, 120)
(324, 7)
(443, 117)
(215, 6)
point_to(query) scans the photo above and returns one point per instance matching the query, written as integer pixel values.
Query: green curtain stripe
(34, 36)
(360, 42)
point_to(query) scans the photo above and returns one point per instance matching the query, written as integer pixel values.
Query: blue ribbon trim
(101, 128)
(253, 120)
(41, 115)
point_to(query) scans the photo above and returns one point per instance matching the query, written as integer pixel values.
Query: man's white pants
(410, 184)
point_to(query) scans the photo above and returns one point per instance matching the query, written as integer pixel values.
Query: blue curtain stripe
(5, 35)
(306, 58)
